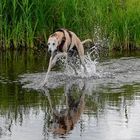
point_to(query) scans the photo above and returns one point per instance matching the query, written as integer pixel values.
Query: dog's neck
(60, 46)
(63, 40)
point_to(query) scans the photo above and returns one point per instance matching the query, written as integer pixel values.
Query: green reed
(25, 22)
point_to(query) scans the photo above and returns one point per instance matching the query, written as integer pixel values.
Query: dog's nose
(49, 51)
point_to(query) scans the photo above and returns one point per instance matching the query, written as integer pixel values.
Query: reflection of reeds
(23, 22)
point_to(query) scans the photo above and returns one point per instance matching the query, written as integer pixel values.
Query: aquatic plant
(27, 23)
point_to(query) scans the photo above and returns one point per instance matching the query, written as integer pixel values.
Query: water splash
(91, 60)
(59, 78)
(113, 74)
(90, 69)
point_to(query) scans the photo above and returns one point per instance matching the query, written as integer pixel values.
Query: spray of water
(91, 59)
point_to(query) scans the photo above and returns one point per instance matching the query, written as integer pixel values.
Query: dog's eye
(48, 44)
(53, 44)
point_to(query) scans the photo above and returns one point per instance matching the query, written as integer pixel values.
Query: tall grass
(25, 22)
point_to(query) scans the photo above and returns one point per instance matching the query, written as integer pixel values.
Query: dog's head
(54, 41)
(52, 44)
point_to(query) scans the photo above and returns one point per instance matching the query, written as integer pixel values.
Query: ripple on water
(114, 74)
(111, 112)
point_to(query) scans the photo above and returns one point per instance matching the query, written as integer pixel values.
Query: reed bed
(27, 23)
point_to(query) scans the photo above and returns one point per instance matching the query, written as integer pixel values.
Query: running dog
(63, 43)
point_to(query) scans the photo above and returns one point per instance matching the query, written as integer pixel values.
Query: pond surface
(104, 106)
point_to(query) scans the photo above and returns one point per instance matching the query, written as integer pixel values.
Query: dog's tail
(87, 40)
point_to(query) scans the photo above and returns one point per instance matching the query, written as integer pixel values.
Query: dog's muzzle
(52, 53)
(49, 51)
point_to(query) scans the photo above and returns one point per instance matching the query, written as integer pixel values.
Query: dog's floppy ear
(53, 35)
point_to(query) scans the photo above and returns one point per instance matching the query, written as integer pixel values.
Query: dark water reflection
(100, 109)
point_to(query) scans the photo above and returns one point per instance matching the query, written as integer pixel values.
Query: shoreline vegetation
(27, 23)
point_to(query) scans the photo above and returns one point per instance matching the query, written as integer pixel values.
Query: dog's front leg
(59, 55)
(49, 68)
(52, 62)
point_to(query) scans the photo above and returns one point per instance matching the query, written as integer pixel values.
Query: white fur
(52, 45)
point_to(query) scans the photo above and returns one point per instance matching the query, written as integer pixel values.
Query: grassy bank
(28, 23)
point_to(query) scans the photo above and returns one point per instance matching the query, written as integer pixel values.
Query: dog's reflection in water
(63, 121)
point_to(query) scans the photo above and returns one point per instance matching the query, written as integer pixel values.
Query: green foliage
(24, 21)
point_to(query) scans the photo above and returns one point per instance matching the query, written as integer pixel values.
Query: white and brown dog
(61, 43)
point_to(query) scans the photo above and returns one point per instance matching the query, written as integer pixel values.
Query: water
(102, 106)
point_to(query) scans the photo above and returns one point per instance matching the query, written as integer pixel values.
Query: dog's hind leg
(73, 67)
(82, 58)
(71, 63)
